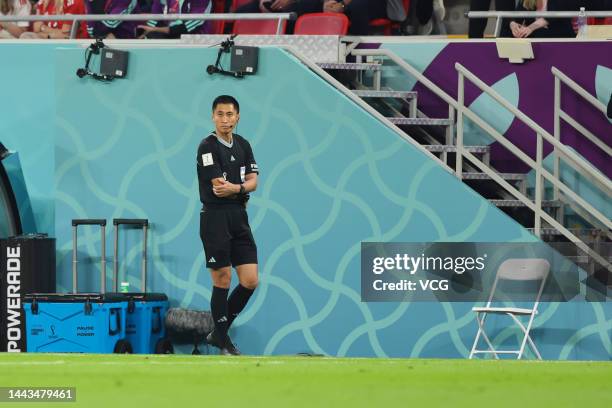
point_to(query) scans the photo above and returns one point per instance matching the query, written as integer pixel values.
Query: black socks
(237, 301)
(218, 309)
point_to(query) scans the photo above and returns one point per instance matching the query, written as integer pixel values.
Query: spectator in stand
(541, 27)
(17, 8)
(360, 12)
(174, 29)
(282, 6)
(56, 29)
(477, 25)
(423, 11)
(112, 28)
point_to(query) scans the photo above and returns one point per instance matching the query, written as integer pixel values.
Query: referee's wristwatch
(241, 189)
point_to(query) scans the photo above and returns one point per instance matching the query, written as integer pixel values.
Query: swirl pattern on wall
(331, 177)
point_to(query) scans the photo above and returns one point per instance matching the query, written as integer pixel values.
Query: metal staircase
(442, 138)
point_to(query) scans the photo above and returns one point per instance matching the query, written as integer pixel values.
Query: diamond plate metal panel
(317, 48)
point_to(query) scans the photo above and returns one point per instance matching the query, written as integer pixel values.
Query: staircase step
(421, 121)
(576, 231)
(453, 149)
(484, 176)
(367, 93)
(350, 66)
(519, 203)
(580, 259)
(584, 259)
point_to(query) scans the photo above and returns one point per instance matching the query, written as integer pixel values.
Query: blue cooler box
(145, 329)
(76, 323)
(146, 312)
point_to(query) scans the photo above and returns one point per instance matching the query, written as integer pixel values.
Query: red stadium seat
(260, 27)
(600, 21)
(322, 24)
(387, 24)
(218, 26)
(239, 3)
(253, 27)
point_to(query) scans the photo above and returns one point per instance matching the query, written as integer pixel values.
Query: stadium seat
(512, 270)
(218, 26)
(238, 3)
(258, 27)
(322, 24)
(386, 24)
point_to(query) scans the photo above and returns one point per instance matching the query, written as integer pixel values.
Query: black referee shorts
(226, 236)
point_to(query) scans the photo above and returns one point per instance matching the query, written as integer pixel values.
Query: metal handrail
(579, 90)
(559, 114)
(541, 172)
(580, 164)
(499, 15)
(408, 68)
(561, 77)
(537, 165)
(549, 14)
(360, 102)
(571, 156)
(161, 17)
(452, 104)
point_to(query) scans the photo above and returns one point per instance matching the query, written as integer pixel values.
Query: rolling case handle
(117, 313)
(140, 223)
(89, 221)
(131, 221)
(75, 225)
(156, 325)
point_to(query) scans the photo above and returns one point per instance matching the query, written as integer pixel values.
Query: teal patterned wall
(331, 177)
(26, 123)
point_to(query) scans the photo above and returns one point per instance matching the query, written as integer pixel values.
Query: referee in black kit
(227, 173)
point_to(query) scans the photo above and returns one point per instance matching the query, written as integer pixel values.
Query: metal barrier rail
(575, 161)
(144, 17)
(499, 15)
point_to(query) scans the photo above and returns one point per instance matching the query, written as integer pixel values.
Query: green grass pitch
(178, 381)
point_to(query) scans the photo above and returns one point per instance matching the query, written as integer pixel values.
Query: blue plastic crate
(76, 323)
(145, 329)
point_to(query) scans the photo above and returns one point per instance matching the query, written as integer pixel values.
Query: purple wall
(578, 60)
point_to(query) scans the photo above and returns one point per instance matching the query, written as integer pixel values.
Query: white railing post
(74, 29)
(450, 130)
(460, 103)
(498, 24)
(539, 188)
(450, 133)
(557, 134)
(279, 26)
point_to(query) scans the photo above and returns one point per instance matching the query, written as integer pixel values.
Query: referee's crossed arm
(227, 173)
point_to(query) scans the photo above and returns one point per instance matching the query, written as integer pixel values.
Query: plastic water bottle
(582, 23)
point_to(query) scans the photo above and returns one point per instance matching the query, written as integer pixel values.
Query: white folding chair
(513, 270)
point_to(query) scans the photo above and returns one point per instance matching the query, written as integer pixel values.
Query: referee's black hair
(226, 99)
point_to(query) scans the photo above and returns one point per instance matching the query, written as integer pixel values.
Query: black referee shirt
(216, 158)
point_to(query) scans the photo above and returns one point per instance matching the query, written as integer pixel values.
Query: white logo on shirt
(232, 158)
(207, 159)
(212, 259)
